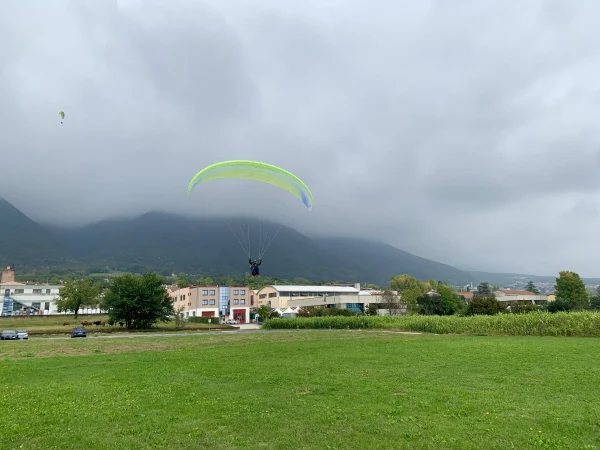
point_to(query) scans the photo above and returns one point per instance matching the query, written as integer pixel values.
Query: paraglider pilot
(254, 266)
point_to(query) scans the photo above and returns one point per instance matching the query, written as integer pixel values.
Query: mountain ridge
(167, 243)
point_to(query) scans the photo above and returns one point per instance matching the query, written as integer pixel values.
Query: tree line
(438, 298)
(138, 300)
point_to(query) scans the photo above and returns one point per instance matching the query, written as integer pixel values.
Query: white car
(231, 322)
(22, 334)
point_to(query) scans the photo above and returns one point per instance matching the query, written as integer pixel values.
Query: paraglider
(62, 115)
(257, 171)
(254, 266)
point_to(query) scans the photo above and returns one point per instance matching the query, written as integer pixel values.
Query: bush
(523, 309)
(311, 311)
(485, 305)
(197, 319)
(558, 305)
(538, 323)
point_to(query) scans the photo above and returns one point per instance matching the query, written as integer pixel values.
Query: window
(19, 291)
(251, 301)
(37, 291)
(36, 305)
(205, 302)
(236, 292)
(204, 291)
(47, 291)
(236, 301)
(193, 313)
(273, 294)
(212, 292)
(243, 301)
(212, 302)
(47, 306)
(261, 296)
(189, 294)
(243, 292)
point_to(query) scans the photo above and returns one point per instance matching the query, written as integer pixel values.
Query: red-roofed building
(468, 296)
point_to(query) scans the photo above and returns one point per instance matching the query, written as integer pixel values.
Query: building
(356, 302)
(511, 297)
(27, 299)
(279, 296)
(467, 296)
(225, 302)
(287, 300)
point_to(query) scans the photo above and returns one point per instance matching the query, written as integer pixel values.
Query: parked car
(9, 335)
(79, 332)
(231, 322)
(22, 334)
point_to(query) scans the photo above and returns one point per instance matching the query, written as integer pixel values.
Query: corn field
(537, 323)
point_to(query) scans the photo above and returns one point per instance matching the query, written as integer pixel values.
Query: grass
(586, 323)
(315, 390)
(54, 324)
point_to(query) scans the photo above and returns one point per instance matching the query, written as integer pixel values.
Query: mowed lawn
(301, 390)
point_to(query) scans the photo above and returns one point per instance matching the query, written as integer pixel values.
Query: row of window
(212, 292)
(304, 294)
(35, 291)
(236, 301)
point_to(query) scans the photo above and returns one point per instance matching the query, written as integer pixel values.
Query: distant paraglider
(257, 171)
(62, 115)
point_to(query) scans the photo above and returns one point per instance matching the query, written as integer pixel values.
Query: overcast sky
(462, 131)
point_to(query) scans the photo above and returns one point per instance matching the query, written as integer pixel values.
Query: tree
(570, 288)
(180, 317)
(372, 309)
(138, 300)
(391, 302)
(485, 305)
(453, 304)
(183, 281)
(532, 288)
(431, 305)
(264, 312)
(410, 289)
(483, 289)
(558, 305)
(595, 299)
(76, 294)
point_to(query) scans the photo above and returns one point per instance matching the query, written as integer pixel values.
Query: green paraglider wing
(258, 171)
(62, 114)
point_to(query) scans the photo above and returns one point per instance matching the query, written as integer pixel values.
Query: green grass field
(55, 324)
(305, 390)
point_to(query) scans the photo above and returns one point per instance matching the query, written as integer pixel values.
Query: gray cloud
(465, 133)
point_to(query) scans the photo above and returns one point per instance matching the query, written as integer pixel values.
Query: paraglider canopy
(258, 171)
(62, 115)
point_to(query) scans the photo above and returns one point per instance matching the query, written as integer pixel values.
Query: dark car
(9, 335)
(79, 332)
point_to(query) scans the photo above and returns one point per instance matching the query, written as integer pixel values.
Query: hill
(24, 242)
(519, 279)
(170, 243)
